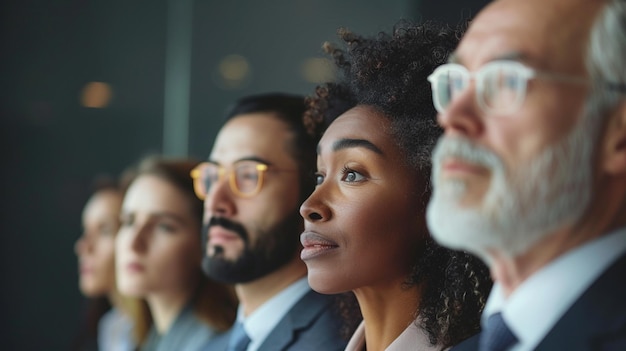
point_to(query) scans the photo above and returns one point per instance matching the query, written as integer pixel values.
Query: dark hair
(389, 73)
(289, 109)
(214, 303)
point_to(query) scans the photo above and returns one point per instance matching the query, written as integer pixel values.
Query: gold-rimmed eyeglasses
(245, 178)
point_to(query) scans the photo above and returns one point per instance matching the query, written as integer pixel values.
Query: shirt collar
(540, 301)
(260, 323)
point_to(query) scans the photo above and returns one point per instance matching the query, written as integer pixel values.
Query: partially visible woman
(105, 328)
(365, 228)
(158, 255)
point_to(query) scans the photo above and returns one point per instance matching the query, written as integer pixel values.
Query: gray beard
(517, 211)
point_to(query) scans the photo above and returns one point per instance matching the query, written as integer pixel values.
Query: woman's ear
(614, 150)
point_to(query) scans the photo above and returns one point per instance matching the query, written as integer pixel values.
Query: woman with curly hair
(365, 227)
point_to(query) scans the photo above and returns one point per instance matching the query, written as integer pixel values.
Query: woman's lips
(315, 245)
(135, 267)
(85, 270)
(218, 236)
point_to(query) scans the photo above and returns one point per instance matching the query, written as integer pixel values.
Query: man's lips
(315, 245)
(456, 165)
(218, 235)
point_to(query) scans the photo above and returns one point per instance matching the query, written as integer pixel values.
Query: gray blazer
(310, 325)
(188, 333)
(595, 322)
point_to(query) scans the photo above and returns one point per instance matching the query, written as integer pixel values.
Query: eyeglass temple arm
(561, 77)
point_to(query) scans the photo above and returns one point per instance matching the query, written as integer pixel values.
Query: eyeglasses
(500, 85)
(246, 177)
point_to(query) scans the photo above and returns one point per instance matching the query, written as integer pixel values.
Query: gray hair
(606, 60)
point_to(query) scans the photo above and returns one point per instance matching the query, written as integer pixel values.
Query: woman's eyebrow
(352, 143)
(168, 215)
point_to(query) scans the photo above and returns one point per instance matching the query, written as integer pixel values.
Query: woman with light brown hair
(158, 255)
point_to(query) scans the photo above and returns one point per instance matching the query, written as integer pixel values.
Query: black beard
(274, 248)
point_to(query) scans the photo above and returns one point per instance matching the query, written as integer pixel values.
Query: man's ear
(614, 160)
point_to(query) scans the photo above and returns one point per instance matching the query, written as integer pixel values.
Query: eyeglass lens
(245, 179)
(499, 87)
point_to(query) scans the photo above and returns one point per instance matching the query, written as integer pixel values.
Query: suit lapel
(299, 317)
(597, 320)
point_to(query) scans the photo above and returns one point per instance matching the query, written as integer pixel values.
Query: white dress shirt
(261, 322)
(539, 302)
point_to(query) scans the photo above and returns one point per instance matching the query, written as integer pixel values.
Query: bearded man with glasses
(259, 172)
(531, 171)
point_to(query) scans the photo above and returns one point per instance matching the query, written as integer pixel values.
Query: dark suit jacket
(595, 322)
(311, 324)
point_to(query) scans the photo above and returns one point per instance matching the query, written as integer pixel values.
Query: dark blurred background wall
(156, 62)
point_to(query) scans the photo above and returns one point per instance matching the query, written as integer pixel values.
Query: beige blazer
(412, 338)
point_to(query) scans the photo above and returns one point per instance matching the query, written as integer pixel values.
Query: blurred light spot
(317, 70)
(234, 72)
(96, 95)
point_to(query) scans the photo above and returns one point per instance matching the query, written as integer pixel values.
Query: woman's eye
(319, 179)
(109, 229)
(126, 221)
(351, 176)
(166, 227)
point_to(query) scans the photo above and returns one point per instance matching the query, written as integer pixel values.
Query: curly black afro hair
(389, 73)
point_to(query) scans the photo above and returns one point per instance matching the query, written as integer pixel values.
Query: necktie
(239, 340)
(496, 336)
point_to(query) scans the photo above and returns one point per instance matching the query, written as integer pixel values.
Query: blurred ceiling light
(317, 70)
(96, 95)
(234, 71)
